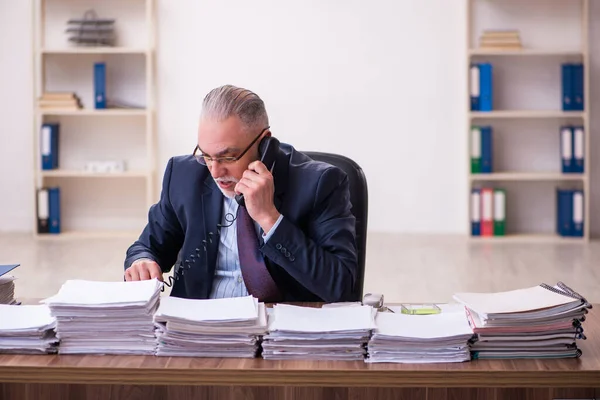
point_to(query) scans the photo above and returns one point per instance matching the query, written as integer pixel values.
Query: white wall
(381, 81)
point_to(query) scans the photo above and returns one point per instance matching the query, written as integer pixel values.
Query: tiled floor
(410, 268)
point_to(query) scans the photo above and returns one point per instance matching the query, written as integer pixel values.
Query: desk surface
(582, 372)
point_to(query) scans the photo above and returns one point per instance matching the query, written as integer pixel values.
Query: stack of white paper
(434, 338)
(536, 322)
(106, 317)
(7, 290)
(229, 327)
(27, 329)
(332, 333)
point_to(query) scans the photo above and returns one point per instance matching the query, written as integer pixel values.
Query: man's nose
(217, 169)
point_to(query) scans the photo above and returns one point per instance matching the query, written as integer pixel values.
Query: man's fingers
(133, 273)
(155, 272)
(128, 274)
(144, 273)
(258, 166)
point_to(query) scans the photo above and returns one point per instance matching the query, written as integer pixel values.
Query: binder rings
(49, 146)
(100, 85)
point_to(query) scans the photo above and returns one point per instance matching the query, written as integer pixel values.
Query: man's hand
(142, 270)
(257, 187)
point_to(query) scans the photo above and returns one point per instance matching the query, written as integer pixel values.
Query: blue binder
(578, 149)
(487, 158)
(567, 87)
(49, 146)
(577, 86)
(566, 149)
(474, 76)
(476, 212)
(564, 212)
(54, 208)
(100, 85)
(577, 213)
(486, 87)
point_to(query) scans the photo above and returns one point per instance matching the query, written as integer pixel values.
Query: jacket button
(283, 250)
(278, 246)
(287, 254)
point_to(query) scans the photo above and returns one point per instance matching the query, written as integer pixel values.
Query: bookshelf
(97, 204)
(527, 113)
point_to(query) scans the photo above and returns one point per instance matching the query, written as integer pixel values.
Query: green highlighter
(420, 309)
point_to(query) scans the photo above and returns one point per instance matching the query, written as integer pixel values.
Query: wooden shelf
(84, 174)
(109, 112)
(95, 50)
(526, 52)
(527, 114)
(527, 176)
(528, 238)
(73, 235)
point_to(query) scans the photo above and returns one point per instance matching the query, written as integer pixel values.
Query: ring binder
(566, 291)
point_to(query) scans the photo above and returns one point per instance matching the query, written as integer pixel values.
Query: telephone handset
(268, 149)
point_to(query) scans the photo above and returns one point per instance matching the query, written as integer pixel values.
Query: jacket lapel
(212, 208)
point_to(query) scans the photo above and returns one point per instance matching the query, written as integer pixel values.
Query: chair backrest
(359, 197)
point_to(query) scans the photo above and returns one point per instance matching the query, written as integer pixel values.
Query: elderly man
(293, 237)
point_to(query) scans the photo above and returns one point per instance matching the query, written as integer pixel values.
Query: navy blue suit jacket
(311, 255)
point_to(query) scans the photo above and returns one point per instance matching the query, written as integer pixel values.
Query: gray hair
(228, 100)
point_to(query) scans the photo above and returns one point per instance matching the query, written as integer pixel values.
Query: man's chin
(227, 193)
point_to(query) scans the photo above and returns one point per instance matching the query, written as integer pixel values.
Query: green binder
(499, 212)
(475, 150)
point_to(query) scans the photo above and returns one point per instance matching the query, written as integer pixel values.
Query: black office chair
(360, 206)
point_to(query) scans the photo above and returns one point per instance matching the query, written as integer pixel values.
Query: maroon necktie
(257, 278)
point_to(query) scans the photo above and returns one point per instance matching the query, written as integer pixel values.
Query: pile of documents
(7, 284)
(433, 338)
(60, 101)
(7, 290)
(537, 322)
(106, 317)
(336, 333)
(229, 327)
(27, 330)
(500, 40)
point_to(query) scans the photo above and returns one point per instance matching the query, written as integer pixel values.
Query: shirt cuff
(268, 235)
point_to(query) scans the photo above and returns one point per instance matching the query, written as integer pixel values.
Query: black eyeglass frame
(204, 159)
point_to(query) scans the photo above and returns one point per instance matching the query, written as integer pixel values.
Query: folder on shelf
(100, 85)
(577, 224)
(577, 86)
(475, 149)
(54, 209)
(43, 212)
(475, 87)
(486, 87)
(487, 159)
(566, 149)
(476, 212)
(49, 134)
(564, 212)
(499, 212)
(578, 149)
(487, 212)
(567, 86)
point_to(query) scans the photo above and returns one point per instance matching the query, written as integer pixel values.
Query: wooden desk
(150, 377)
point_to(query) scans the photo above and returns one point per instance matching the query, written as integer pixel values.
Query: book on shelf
(59, 100)
(500, 40)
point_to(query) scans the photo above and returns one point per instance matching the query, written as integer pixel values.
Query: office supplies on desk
(7, 285)
(420, 309)
(106, 317)
(432, 338)
(229, 327)
(27, 329)
(306, 333)
(537, 322)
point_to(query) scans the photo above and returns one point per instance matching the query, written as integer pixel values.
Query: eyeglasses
(204, 159)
